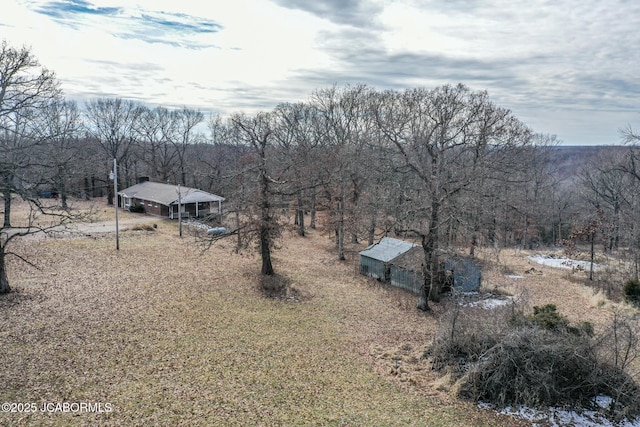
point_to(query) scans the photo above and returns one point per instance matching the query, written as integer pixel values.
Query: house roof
(167, 194)
(387, 249)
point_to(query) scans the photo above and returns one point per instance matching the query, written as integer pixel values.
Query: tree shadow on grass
(279, 287)
(16, 297)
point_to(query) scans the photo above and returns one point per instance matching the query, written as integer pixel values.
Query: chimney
(142, 179)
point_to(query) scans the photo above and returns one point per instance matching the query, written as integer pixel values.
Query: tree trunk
(491, 233)
(312, 220)
(425, 289)
(559, 237)
(239, 240)
(4, 282)
(423, 300)
(431, 287)
(525, 233)
(86, 189)
(593, 239)
(109, 193)
(474, 242)
(93, 187)
(62, 190)
(7, 209)
(265, 226)
(615, 241)
(340, 230)
(430, 246)
(372, 229)
(300, 215)
(265, 251)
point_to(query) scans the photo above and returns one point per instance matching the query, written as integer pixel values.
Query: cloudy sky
(565, 67)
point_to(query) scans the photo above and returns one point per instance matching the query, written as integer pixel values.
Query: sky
(569, 68)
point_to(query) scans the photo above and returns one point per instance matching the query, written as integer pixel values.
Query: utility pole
(114, 177)
(179, 211)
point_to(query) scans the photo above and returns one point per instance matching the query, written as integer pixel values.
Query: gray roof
(167, 194)
(410, 260)
(387, 249)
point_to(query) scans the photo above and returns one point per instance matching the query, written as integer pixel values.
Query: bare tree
(155, 130)
(41, 219)
(342, 112)
(256, 133)
(59, 128)
(297, 139)
(446, 138)
(185, 134)
(605, 186)
(27, 94)
(112, 122)
(25, 88)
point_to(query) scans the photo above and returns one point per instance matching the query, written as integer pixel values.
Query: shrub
(535, 367)
(632, 292)
(136, 208)
(143, 227)
(547, 317)
(538, 359)
(465, 334)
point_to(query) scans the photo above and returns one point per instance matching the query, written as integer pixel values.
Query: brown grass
(569, 291)
(172, 336)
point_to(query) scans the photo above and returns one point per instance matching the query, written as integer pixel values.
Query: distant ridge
(568, 159)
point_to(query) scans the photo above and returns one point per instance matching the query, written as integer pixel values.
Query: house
(163, 199)
(374, 260)
(462, 273)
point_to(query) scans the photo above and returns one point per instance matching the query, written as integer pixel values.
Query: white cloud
(543, 59)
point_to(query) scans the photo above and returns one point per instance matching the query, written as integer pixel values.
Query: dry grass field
(168, 335)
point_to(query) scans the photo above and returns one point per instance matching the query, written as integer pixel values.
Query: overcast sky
(570, 68)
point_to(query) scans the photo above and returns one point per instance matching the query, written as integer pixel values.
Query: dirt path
(110, 225)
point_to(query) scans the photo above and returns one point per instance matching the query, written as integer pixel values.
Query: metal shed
(467, 274)
(374, 260)
(463, 273)
(406, 270)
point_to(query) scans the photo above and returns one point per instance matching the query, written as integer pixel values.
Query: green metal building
(374, 260)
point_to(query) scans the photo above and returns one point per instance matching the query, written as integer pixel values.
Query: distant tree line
(445, 166)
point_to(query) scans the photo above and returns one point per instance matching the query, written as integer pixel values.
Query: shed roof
(167, 194)
(411, 259)
(387, 249)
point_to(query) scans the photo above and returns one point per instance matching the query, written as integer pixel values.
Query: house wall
(152, 208)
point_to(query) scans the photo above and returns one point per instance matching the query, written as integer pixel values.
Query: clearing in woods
(169, 335)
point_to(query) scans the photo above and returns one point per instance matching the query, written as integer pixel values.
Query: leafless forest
(444, 166)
